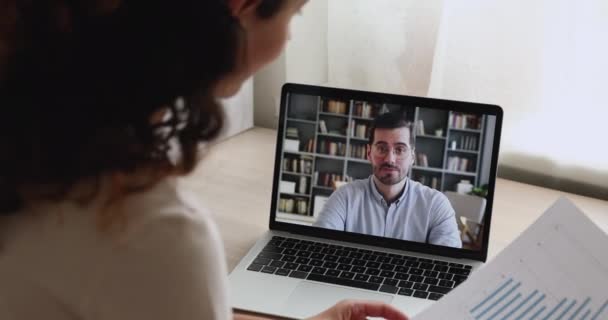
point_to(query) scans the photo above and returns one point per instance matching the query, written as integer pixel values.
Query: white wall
(545, 63)
(239, 111)
(382, 45)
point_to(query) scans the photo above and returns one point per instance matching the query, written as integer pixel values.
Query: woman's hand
(360, 310)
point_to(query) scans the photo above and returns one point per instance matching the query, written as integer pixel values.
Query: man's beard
(389, 178)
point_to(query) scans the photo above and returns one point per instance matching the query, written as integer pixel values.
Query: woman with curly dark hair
(105, 105)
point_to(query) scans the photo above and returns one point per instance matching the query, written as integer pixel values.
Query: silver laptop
(320, 250)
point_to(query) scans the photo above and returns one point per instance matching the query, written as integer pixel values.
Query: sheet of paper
(556, 269)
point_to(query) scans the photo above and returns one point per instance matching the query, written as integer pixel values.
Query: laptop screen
(405, 168)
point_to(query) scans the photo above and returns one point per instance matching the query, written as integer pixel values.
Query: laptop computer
(301, 267)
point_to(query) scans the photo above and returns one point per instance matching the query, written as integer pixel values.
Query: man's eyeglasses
(381, 150)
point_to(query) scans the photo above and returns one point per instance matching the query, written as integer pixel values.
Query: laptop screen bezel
(448, 105)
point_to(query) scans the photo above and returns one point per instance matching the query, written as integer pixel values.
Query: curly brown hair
(97, 87)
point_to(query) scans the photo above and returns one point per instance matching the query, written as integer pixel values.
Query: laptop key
(255, 267)
(387, 274)
(405, 284)
(304, 254)
(391, 282)
(344, 282)
(282, 272)
(270, 255)
(344, 267)
(272, 248)
(317, 256)
(427, 266)
(287, 245)
(288, 258)
(361, 277)
(290, 266)
(315, 263)
(374, 279)
(268, 269)
(384, 259)
(468, 267)
(372, 272)
(359, 263)
(332, 273)
(291, 252)
(330, 258)
(356, 255)
(431, 274)
(298, 274)
(440, 268)
(345, 260)
(388, 289)
(304, 268)
(435, 296)
(420, 286)
(397, 261)
(405, 292)
(436, 289)
(387, 266)
(420, 294)
(318, 270)
(402, 276)
(330, 265)
(446, 283)
(459, 271)
(302, 260)
(416, 271)
(444, 276)
(401, 269)
(413, 264)
(346, 275)
(431, 281)
(262, 261)
(415, 278)
(277, 263)
(358, 269)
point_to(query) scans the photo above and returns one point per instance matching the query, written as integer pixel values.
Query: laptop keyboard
(359, 268)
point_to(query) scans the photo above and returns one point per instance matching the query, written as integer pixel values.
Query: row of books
(464, 121)
(323, 129)
(358, 151)
(335, 106)
(359, 130)
(332, 148)
(326, 179)
(365, 110)
(465, 143)
(420, 127)
(432, 182)
(294, 205)
(422, 160)
(301, 165)
(460, 164)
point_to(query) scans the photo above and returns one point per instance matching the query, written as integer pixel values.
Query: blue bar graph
(538, 313)
(530, 308)
(507, 302)
(491, 295)
(602, 308)
(521, 304)
(555, 309)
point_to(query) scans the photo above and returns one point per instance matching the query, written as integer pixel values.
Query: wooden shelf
(466, 130)
(297, 173)
(332, 135)
(330, 114)
(301, 195)
(302, 121)
(358, 160)
(461, 173)
(463, 151)
(427, 136)
(295, 217)
(430, 169)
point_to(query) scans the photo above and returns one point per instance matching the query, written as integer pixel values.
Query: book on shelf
(327, 179)
(358, 151)
(423, 161)
(310, 146)
(420, 127)
(298, 165)
(322, 126)
(464, 121)
(335, 106)
(459, 164)
(365, 110)
(332, 148)
(293, 206)
(435, 183)
(292, 133)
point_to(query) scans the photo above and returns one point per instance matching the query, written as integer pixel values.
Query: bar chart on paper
(557, 269)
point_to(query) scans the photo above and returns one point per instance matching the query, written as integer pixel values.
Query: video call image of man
(388, 203)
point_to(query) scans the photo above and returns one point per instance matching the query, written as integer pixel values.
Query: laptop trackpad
(310, 298)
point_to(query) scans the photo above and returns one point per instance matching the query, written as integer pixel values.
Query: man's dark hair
(82, 85)
(391, 120)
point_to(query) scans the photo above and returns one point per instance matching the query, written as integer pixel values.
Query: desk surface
(235, 182)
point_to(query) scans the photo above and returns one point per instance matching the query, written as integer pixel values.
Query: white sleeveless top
(168, 263)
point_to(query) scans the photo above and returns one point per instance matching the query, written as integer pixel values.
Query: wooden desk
(235, 182)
